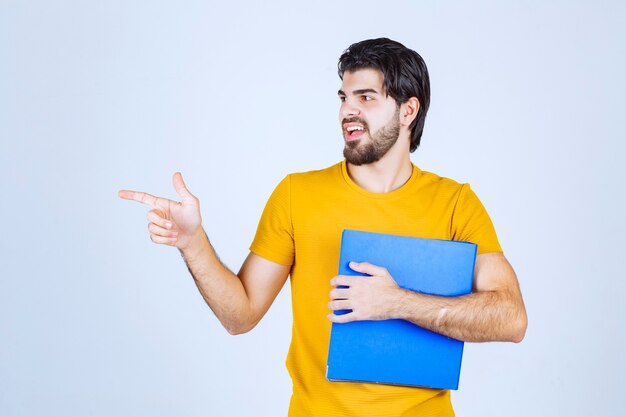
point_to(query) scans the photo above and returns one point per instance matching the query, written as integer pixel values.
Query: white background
(96, 320)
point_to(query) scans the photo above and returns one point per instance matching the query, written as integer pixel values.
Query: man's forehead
(363, 79)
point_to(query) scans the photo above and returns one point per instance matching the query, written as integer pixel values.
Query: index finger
(342, 280)
(140, 196)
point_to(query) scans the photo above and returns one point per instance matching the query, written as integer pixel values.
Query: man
(384, 99)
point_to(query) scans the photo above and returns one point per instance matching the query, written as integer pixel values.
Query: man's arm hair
(493, 312)
(238, 301)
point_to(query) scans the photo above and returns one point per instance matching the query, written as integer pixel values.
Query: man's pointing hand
(170, 222)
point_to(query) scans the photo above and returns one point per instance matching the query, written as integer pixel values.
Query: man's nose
(348, 109)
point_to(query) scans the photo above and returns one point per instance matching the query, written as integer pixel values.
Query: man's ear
(408, 111)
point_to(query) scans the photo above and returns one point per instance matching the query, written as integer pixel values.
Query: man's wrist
(197, 244)
(397, 309)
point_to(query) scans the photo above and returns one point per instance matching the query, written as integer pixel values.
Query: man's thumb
(180, 187)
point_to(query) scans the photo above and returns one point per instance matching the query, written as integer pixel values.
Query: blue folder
(396, 351)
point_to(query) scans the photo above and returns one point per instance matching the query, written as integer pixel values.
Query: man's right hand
(239, 301)
(171, 222)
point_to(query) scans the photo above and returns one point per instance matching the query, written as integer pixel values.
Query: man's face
(369, 118)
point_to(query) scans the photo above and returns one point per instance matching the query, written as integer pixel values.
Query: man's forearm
(221, 288)
(478, 317)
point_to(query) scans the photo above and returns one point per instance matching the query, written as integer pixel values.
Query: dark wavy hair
(404, 71)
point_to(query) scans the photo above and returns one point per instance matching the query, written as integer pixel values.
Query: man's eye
(366, 98)
(342, 98)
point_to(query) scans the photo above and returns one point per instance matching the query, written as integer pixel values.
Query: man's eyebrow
(357, 92)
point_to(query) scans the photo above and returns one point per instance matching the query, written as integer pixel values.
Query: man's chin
(354, 157)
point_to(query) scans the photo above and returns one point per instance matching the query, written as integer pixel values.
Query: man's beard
(358, 153)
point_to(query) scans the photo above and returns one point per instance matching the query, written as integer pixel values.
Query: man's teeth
(353, 128)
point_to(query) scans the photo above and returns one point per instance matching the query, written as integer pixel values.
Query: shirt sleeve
(471, 223)
(274, 235)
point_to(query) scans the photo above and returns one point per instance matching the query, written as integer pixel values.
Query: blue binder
(396, 351)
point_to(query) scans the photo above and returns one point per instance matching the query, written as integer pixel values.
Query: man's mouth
(353, 131)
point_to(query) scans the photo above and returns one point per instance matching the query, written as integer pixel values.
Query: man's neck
(389, 173)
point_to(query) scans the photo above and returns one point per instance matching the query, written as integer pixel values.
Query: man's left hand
(369, 298)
